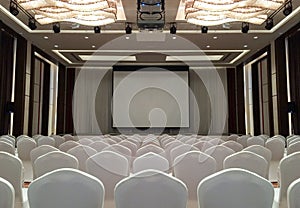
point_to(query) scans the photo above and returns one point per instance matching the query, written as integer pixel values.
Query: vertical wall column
(241, 125)
(232, 100)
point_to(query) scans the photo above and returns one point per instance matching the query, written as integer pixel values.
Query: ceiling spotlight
(269, 23)
(97, 29)
(173, 29)
(56, 27)
(204, 29)
(13, 8)
(245, 27)
(128, 29)
(32, 23)
(288, 8)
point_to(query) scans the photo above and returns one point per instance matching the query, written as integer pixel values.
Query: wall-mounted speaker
(291, 107)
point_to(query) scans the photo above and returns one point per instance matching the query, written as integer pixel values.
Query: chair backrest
(232, 137)
(110, 167)
(235, 146)
(150, 148)
(66, 188)
(192, 167)
(293, 194)
(7, 194)
(58, 140)
(45, 140)
(219, 153)
(243, 140)
(277, 146)
(126, 152)
(132, 146)
(179, 150)
(289, 169)
(8, 140)
(7, 147)
(67, 145)
(260, 150)
(151, 188)
(150, 160)
(170, 146)
(191, 141)
(24, 147)
(12, 139)
(85, 141)
(82, 153)
(12, 171)
(68, 137)
(292, 138)
(294, 141)
(52, 161)
(41, 150)
(248, 161)
(247, 190)
(256, 140)
(293, 147)
(203, 145)
(98, 145)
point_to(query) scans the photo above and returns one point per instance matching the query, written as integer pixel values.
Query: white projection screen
(150, 98)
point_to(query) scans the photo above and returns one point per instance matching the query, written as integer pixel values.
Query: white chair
(7, 194)
(150, 160)
(248, 161)
(293, 194)
(219, 153)
(85, 141)
(98, 145)
(66, 188)
(203, 145)
(216, 141)
(12, 171)
(24, 147)
(169, 147)
(45, 140)
(7, 140)
(132, 146)
(82, 153)
(109, 167)
(179, 150)
(68, 137)
(294, 141)
(150, 148)
(58, 140)
(256, 140)
(243, 140)
(109, 141)
(165, 141)
(66, 146)
(232, 137)
(10, 138)
(235, 146)
(117, 139)
(151, 188)
(289, 170)
(192, 167)
(126, 152)
(7, 147)
(235, 188)
(191, 141)
(52, 161)
(293, 147)
(41, 150)
(292, 138)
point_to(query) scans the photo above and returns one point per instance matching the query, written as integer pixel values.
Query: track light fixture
(13, 8)
(245, 27)
(97, 29)
(128, 29)
(173, 29)
(269, 23)
(288, 8)
(56, 27)
(204, 29)
(32, 23)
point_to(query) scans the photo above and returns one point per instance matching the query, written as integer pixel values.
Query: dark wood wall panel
(6, 71)
(61, 100)
(241, 125)
(46, 97)
(232, 102)
(294, 68)
(255, 96)
(69, 126)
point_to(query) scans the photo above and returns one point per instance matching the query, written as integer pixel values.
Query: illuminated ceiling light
(288, 8)
(84, 12)
(204, 29)
(56, 27)
(32, 24)
(13, 8)
(218, 12)
(245, 27)
(269, 23)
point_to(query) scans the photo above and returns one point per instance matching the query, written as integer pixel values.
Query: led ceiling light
(84, 12)
(217, 12)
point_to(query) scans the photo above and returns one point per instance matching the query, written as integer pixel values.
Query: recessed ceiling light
(245, 46)
(215, 37)
(255, 37)
(127, 38)
(86, 37)
(55, 46)
(208, 46)
(46, 37)
(174, 37)
(93, 46)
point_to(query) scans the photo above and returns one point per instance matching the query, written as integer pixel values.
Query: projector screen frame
(132, 68)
